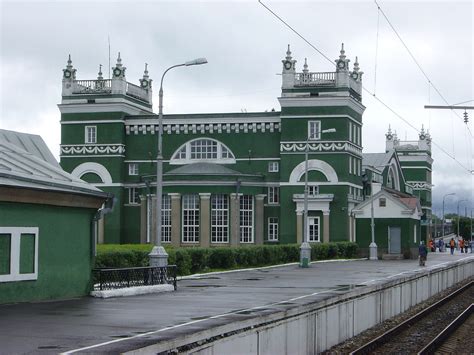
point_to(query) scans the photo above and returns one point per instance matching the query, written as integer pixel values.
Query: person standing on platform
(432, 245)
(461, 245)
(423, 252)
(452, 244)
(441, 245)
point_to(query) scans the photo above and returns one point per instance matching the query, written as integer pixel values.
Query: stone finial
(305, 66)
(389, 133)
(356, 65)
(119, 61)
(99, 75)
(288, 53)
(145, 73)
(342, 56)
(69, 73)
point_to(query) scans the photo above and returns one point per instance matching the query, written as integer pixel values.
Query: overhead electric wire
(364, 88)
(416, 62)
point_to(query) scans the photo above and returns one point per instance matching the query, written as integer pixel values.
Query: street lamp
(458, 214)
(305, 249)
(451, 194)
(158, 255)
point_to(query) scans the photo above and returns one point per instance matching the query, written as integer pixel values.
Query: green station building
(232, 178)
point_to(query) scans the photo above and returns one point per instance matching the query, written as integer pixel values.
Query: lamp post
(458, 215)
(158, 255)
(305, 249)
(444, 197)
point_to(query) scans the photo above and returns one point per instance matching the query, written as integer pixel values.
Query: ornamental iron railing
(315, 79)
(110, 279)
(92, 86)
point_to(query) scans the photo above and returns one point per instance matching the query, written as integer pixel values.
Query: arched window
(203, 149)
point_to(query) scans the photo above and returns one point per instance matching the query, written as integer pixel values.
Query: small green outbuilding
(48, 220)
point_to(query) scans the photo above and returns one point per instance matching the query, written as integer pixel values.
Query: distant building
(47, 218)
(229, 178)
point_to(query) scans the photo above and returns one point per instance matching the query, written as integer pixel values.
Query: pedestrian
(441, 245)
(452, 244)
(423, 252)
(466, 246)
(461, 245)
(432, 245)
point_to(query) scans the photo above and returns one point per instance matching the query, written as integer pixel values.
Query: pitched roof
(20, 168)
(31, 143)
(376, 160)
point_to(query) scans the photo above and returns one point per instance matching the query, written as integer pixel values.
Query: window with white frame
(133, 196)
(203, 149)
(133, 169)
(414, 233)
(273, 195)
(313, 229)
(273, 229)
(166, 219)
(350, 165)
(90, 134)
(18, 253)
(313, 190)
(314, 130)
(246, 219)
(190, 219)
(350, 131)
(273, 167)
(354, 133)
(219, 219)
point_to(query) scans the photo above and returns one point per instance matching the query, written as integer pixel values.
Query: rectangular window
(313, 190)
(219, 219)
(272, 229)
(350, 131)
(190, 219)
(18, 253)
(273, 167)
(359, 136)
(273, 195)
(246, 219)
(133, 196)
(203, 149)
(166, 219)
(314, 130)
(91, 134)
(313, 229)
(414, 233)
(354, 133)
(133, 169)
(350, 165)
(382, 202)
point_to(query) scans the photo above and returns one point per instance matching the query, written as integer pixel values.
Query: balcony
(315, 79)
(104, 87)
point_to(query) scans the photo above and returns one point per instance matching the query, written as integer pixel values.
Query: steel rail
(382, 339)
(447, 332)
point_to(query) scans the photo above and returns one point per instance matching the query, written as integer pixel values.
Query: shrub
(195, 260)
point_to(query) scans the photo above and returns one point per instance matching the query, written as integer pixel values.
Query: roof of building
(32, 143)
(23, 169)
(205, 169)
(376, 160)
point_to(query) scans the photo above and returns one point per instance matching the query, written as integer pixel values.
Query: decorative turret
(305, 66)
(288, 72)
(119, 84)
(145, 83)
(342, 64)
(424, 142)
(69, 75)
(389, 140)
(99, 74)
(356, 73)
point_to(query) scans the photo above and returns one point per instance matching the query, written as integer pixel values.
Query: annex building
(238, 178)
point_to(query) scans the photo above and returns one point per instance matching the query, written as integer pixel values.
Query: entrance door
(313, 229)
(394, 240)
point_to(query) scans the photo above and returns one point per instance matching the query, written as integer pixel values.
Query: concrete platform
(202, 303)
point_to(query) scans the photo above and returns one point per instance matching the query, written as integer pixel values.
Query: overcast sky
(244, 45)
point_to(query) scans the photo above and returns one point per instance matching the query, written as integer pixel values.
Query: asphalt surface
(118, 324)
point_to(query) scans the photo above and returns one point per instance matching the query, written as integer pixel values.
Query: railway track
(412, 335)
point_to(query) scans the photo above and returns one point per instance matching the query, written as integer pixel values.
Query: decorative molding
(420, 185)
(313, 164)
(193, 127)
(300, 147)
(82, 149)
(94, 168)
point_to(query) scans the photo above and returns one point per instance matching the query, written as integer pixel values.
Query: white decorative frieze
(419, 185)
(300, 147)
(92, 149)
(253, 127)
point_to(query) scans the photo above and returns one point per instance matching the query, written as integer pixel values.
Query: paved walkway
(97, 325)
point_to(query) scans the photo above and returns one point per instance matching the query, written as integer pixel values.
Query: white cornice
(203, 120)
(92, 122)
(321, 102)
(104, 105)
(358, 123)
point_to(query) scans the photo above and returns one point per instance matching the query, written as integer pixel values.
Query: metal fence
(109, 279)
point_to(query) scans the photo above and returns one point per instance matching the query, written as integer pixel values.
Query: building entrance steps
(206, 304)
